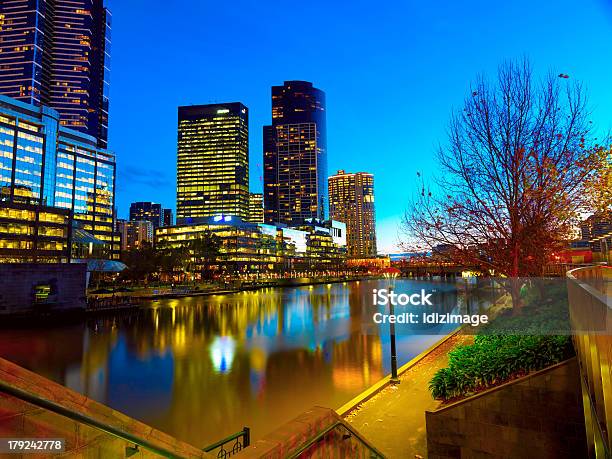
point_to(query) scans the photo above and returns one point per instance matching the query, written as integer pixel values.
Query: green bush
(493, 359)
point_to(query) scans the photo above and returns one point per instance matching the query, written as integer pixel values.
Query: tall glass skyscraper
(213, 162)
(351, 201)
(57, 53)
(295, 155)
(47, 169)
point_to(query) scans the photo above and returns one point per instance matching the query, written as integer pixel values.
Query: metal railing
(241, 440)
(89, 421)
(374, 453)
(138, 442)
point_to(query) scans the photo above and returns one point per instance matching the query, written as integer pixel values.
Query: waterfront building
(57, 187)
(351, 200)
(147, 211)
(167, 217)
(256, 208)
(135, 233)
(597, 230)
(213, 162)
(251, 248)
(325, 244)
(295, 154)
(57, 53)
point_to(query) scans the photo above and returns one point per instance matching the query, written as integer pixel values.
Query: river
(201, 368)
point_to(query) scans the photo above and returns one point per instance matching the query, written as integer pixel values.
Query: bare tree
(511, 175)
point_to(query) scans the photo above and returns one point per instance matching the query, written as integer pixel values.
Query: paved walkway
(394, 419)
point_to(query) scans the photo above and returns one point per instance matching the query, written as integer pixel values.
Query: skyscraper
(295, 154)
(256, 208)
(213, 161)
(351, 200)
(57, 53)
(48, 169)
(167, 217)
(147, 211)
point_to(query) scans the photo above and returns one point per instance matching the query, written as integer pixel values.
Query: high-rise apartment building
(134, 234)
(213, 161)
(55, 183)
(147, 211)
(57, 53)
(256, 208)
(351, 200)
(295, 154)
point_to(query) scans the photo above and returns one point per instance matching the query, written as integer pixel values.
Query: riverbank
(156, 293)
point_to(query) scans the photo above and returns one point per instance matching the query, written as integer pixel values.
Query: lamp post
(390, 274)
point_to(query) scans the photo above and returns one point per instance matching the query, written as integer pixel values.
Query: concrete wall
(291, 436)
(537, 416)
(19, 419)
(18, 285)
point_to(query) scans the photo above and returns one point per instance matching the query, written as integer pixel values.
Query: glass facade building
(57, 53)
(213, 161)
(295, 154)
(167, 217)
(45, 165)
(351, 200)
(256, 208)
(147, 211)
(251, 248)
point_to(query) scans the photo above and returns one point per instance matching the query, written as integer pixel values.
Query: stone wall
(537, 416)
(19, 282)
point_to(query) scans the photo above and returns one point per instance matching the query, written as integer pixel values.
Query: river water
(201, 368)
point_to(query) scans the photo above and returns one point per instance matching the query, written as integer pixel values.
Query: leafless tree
(511, 178)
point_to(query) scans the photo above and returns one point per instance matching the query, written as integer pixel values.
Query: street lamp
(390, 274)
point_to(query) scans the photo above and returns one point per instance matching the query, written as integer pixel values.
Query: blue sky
(392, 72)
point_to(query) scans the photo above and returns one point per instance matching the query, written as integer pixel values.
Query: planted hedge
(493, 359)
(507, 348)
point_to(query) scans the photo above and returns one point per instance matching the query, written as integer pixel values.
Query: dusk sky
(392, 73)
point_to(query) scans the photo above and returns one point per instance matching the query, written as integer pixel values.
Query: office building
(56, 187)
(56, 53)
(295, 154)
(147, 211)
(213, 162)
(597, 231)
(135, 234)
(259, 248)
(167, 217)
(351, 200)
(256, 208)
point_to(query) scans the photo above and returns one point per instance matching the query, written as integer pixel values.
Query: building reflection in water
(201, 368)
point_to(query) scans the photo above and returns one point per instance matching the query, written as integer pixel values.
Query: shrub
(508, 347)
(493, 359)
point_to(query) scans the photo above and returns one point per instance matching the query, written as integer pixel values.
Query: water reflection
(202, 368)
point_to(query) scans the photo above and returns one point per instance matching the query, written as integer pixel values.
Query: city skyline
(380, 76)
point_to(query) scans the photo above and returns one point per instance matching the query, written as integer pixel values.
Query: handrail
(320, 435)
(245, 432)
(70, 414)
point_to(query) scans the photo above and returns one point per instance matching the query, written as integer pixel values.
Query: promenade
(394, 419)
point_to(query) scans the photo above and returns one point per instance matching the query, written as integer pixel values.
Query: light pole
(390, 274)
